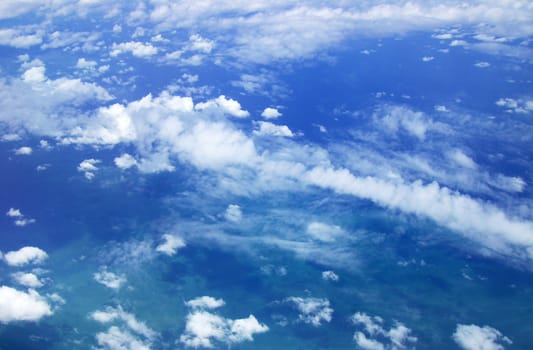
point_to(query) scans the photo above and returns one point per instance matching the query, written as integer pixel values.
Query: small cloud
(458, 43)
(373, 334)
(23, 151)
(10, 137)
(205, 302)
(270, 113)
(313, 311)
(442, 109)
(88, 167)
(233, 213)
(171, 245)
(324, 232)
(125, 161)
(110, 279)
(270, 129)
(482, 64)
(472, 337)
(427, 58)
(330, 276)
(85, 64)
(29, 280)
(14, 213)
(117, 28)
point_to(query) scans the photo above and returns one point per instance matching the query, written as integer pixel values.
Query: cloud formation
(16, 305)
(472, 337)
(25, 256)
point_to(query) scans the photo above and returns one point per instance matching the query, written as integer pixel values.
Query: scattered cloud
(472, 337)
(25, 256)
(170, 245)
(18, 306)
(233, 213)
(313, 311)
(125, 161)
(427, 58)
(374, 336)
(23, 151)
(88, 167)
(205, 302)
(110, 279)
(27, 279)
(324, 232)
(482, 64)
(270, 129)
(136, 48)
(520, 106)
(330, 276)
(270, 113)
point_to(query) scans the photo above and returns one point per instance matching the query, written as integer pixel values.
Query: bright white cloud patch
(116, 339)
(374, 336)
(29, 280)
(233, 213)
(520, 106)
(224, 104)
(427, 58)
(270, 113)
(472, 337)
(125, 161)
(313, 311)
(330, 276)
(14, 213)
(270, 129)
(136, 48)
(203, 328)
(22, 306)
(25, 256)
(118, 315)
(170, 245)
(110, 279)
(482, 64)
(88, 168)
(23, 151)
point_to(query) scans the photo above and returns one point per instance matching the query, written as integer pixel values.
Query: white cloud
(197, 43)
(427, 58)
(25, 256)
(270, 113)
(228, 106)
(117, 314)
(313, 311)
(110, 279)
(205, 302)
(19, 38)
(88, 167)
(396, 118)
(125, 161)
(472, 337)
(324, 232)
(440, 108)
(482, 64)
(136, 48)
(86, 64)
(233, 213)
(27, 279)
(512, 105)
(25, 150)
(270, 129)
(374, 336)
(461, 159)
(330, 276)
(171, 245)
(14, 213)
(22, 306)
(117, 339)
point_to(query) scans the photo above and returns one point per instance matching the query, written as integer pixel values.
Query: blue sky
(261, 174)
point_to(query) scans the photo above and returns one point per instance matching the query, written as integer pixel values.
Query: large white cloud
(16, 305)
(472, 337)
(25, 256)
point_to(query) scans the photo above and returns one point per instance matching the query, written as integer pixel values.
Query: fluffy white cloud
(330, 276)
(233, 213)
(374, 336)
(19, 38)
(396, 118)
(461, 159)
(427, 58)
(117, 314)
(170, 245)
(20, 219)
(25, 150)
(117, 339)
(205, 302)
(482, 64)
(110, 279)
(312, 310)
(324, 232)
(88, 167)
(522, 106)
(25, 256)
(270, 113)
(125, 161)
(224, 104)
(85, 64)
(14, 213)
(472, 337)
(27, 279)
(22, 306)
(136, 48)
(270, 129)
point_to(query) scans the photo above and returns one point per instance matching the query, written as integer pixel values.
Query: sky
(266, 174)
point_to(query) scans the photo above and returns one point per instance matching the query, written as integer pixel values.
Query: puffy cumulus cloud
(205, 302)
(374, 336)
(110, 279)
(270, 129)
(270, 113)
(313, 311)
(461, 159)
(472, 337)
(136, 48)
(330, 276)
(398, 118)
(25, 256)
(233, 213)
(23, 151)
(125, 161)
(27, 279)
(19, 38)
(170, 245)
(224, 104)
(86, 64)
(16, 305)
(202, 328)
(511, 105)
(324, 232)
(14, 213)
(88, 167)
(116, 339)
